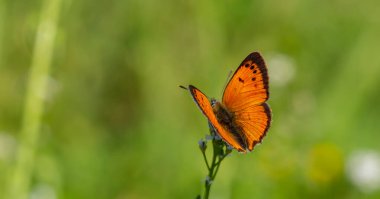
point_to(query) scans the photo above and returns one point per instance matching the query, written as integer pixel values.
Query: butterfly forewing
(205, 105)
(248, 85)
(245, 97)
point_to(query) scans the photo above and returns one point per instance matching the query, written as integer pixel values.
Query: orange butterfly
(242, 118)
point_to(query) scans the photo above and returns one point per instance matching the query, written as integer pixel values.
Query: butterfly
(242, 118)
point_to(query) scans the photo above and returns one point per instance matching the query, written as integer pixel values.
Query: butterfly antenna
(227, 80)
(183, 87)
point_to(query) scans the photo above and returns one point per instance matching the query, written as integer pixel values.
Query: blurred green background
(116, 125)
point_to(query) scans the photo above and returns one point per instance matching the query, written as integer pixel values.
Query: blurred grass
(116, 125)
(19, 182)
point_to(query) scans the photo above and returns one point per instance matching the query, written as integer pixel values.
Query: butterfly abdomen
(227, 120)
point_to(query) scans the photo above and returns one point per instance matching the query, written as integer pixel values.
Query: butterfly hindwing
(205, 105)
(245, 97)
(254, 122)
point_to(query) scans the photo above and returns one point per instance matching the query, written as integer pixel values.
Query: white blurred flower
(43, 191)
(281, 69)
(53, 87)
(363, 169)
(7, 146)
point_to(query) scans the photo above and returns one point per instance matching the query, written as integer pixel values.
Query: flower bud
(202, 144)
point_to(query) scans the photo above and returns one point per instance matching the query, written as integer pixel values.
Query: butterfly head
(213, 102)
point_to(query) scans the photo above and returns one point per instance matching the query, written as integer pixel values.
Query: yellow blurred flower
(325, 163)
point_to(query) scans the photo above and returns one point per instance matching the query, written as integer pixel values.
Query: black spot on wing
(256, 59)
(241, 80)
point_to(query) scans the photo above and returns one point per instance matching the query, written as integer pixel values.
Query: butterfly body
(242, 118)
(223, 115)
(227, 120)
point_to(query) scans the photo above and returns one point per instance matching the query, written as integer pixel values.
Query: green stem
(19, 181)
(205, 158)
(218, 155)
(217, 167)
(210, 176)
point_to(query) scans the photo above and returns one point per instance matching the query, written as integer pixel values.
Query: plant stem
(217, 167)
(210, 176)
(205, 158)
(19, 181)
(220, 151)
